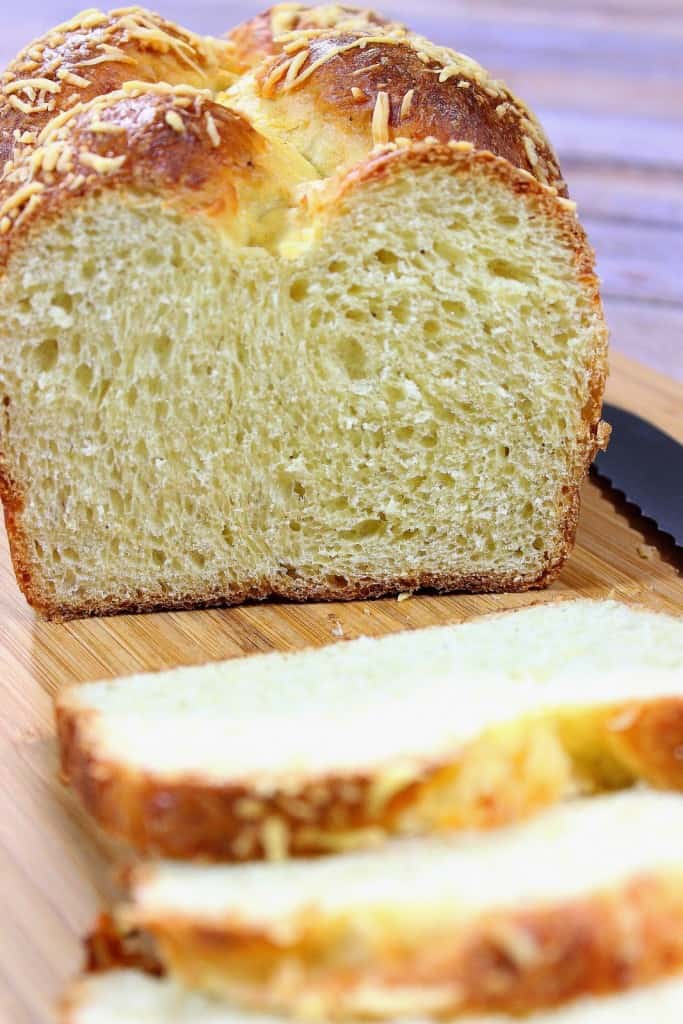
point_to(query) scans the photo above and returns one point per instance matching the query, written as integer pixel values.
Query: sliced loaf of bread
(458, 726)
(129, 997)
(584, 899)
(333, 334)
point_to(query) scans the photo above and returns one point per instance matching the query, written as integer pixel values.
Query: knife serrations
(646, 465)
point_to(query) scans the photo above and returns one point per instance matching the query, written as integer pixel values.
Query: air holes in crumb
(337, 267)
(366, 528)
(509, 271)
(228, 535)
(83, 378)
(387, 257)
(539, 544)
(400, 312)
(352, 356)
(429, 440)
(153, 258)
(507, 220)
(46, 355)
(447, 252)
(408, 534)
(336, 581)
(158, 556)
(431, 328)
(198, 558)
(63, 301)
(89, 270)
(454, 308)
(162, 347)
(298, 290)
(131, 396)
(299, 489)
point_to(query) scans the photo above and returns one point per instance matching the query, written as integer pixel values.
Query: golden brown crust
(649, 739)
(330, 588)
(94, 54)
(386, 83)
(534, 765)
(108, 946)
(170, 141)
(257, 38)
(515, 960)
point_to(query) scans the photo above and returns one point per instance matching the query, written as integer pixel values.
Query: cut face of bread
(284, 754)
(128, 997)
(585, 899)
(211, 393)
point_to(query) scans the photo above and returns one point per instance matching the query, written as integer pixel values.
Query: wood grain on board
(607, 79)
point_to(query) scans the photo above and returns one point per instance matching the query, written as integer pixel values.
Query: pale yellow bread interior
(129, 997)
(318, 711)
(384, 390)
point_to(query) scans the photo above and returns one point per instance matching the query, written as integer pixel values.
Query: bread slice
(457, 726)
(228, 372)
(129, 997)
(584, 899)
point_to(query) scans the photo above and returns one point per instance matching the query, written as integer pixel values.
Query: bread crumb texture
(231, 369)
(122, 996)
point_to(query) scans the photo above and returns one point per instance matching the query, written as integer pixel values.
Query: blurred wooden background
(606, 78)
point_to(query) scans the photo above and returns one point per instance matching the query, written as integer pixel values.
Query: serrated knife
(646, 465)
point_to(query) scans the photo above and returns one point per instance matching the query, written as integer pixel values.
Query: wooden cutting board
(52, 867)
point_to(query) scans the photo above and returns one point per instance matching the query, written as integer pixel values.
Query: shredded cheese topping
(380, 119)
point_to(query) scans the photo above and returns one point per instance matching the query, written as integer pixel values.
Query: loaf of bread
(129, 997)
(585, 899)
(333, 332)
(458, 726)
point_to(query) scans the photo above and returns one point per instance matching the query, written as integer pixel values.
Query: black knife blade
(646, 465)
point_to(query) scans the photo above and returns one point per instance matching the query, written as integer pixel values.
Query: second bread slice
(585, 899)
(128, 997)
(472, 725)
